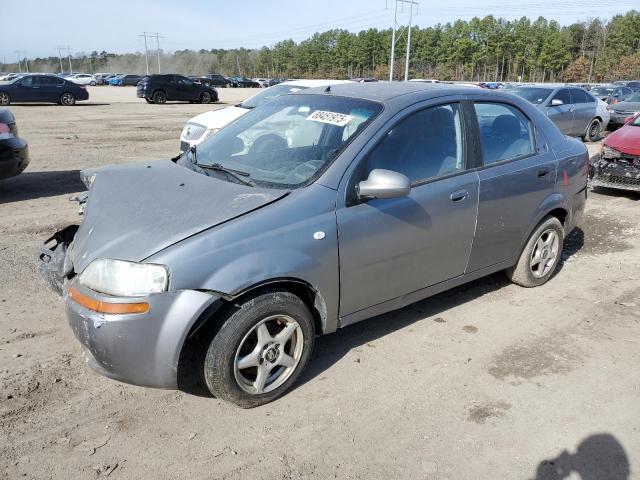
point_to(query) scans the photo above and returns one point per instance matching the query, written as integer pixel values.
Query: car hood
(219, 118)
(137, 210)
(626, 107)
(625, 140)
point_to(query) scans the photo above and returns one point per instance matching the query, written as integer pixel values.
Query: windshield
(533, 95)
(633, 98)
(288, 142)
(269, 94)
(602, 90)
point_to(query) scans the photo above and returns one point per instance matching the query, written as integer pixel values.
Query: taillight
(4, 128)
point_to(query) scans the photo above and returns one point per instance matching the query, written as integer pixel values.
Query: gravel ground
(489, 380)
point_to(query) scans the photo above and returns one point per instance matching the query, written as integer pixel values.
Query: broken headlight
(124, 279)
(608, 152)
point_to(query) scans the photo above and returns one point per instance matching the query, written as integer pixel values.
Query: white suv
(200, 127)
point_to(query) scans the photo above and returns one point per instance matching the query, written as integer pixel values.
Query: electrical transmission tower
(157, 36)
(396, 36)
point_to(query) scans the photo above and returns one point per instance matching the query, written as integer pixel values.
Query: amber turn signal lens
(106, 307)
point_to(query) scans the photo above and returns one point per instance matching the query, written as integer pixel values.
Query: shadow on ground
(31, 185)
(598, 457)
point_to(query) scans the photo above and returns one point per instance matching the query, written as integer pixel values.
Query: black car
(212, 80)
(42, 88)
(160, 88)
(130, 80)
(14, 152)
(244, 82)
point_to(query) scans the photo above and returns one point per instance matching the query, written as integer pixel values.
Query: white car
(83, 79)
(264, 82)
(424, 80)
(202, 126)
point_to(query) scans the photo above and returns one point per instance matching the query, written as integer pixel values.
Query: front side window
(28, 81)
(424, 145)
(505, 133)
(564, 95)
(287, 142)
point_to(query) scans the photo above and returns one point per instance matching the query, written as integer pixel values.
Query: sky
(38, 27)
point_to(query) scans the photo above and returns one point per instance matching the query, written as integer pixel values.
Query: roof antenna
(328, 89)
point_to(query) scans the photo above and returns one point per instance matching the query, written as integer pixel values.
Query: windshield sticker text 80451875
(332, 118)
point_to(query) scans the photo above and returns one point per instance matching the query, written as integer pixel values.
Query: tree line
(481, 49)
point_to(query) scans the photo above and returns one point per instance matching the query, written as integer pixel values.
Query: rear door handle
(543, 172)
(459, 195)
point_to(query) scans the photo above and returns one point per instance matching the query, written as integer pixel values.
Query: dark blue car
(42, 89)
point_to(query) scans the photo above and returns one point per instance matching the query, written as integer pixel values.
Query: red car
(618, 163)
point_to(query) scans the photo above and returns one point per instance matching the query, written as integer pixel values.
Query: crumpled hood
(137, 210)
(626, 140)
(219, 118)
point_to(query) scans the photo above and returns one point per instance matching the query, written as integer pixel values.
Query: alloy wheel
(4, 99)
(544, 253)
(269, 354)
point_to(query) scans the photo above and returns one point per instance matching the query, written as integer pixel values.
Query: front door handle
(459, 195)
(543, 172)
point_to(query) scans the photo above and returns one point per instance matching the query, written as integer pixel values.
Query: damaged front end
(53, 264)
(615, 169)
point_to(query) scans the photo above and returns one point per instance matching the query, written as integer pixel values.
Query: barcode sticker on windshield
(333, 118)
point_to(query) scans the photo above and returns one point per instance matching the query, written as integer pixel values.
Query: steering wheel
(268, 143)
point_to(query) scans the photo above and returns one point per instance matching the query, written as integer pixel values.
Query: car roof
(386, 91)
(314, 83)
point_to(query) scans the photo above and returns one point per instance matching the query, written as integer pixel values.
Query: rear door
(393, 247)
(585, 110)
(562, 115)
(518, 171)
(51, 88)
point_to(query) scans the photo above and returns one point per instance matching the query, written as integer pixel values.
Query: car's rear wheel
(92, 83)
(260, 350)
(205, 97)
(67, 99)
(540, 256)
(159, 97)
(4, 98)
(593, 131)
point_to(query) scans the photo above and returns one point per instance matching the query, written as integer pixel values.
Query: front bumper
(619, 118)
(142, 349)
(622, 174)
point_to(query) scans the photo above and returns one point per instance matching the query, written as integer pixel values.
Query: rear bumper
(615, 174)
(14, 157)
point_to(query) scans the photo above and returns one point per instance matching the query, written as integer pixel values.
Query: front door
(185, 89)
(392, 247)
(562, 115)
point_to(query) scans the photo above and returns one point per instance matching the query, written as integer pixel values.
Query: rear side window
(580, 96)
(424, 145)
(505, 133)
(564, 95)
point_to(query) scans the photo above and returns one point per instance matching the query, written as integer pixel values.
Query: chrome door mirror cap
(384, 184)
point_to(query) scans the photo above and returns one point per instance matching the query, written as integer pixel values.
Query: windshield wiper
(242, 177)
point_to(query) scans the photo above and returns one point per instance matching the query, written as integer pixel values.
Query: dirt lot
(488, 381)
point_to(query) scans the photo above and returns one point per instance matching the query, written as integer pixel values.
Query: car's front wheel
(205, 97)
(593, 131)
(260, 350)
(148, 100)
(67, 99)
(540, 256)
(92, 83)
(4, 98)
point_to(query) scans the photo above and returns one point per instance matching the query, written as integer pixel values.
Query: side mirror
(384, 184)
(556, 102)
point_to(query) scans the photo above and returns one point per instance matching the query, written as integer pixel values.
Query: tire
(159, 97)
(67, 99)
(239, 339)
(148, 100)
(93, 84)
(540, 256)
(5, 99)
(205, 97)
(593, 131)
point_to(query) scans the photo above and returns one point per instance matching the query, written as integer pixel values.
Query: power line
(157, 36)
